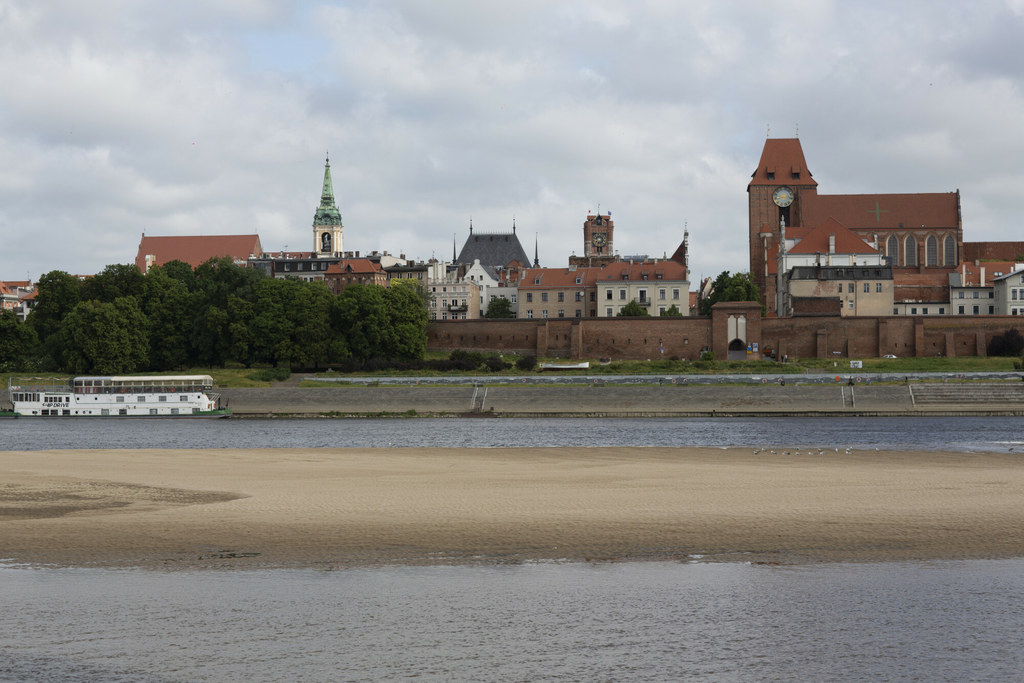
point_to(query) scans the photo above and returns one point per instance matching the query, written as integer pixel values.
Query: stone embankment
(606, 400)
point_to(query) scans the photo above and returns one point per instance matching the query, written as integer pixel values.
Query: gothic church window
(892, 249)
(931, 247)
(910, 251)
(949, 251)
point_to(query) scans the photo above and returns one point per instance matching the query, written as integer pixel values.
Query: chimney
(983, 276)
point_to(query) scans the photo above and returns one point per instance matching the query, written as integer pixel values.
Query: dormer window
(536, 281)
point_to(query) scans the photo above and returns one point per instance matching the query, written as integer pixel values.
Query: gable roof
(195, 250)
(548, 278)
(884, 211)
(818, 241)
(651, 270)
(782, 162)
(354, 265)
(492, 249)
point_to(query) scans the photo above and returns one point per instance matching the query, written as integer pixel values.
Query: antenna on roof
(513, 224)
(798, 130)
(768, 133)
(470, 225)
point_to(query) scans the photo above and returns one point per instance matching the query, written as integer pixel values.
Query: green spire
(327, 213)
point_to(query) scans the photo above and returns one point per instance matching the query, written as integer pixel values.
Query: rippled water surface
(900, 433)
(941, 621)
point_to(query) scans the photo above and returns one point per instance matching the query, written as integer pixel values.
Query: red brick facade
(796, 337)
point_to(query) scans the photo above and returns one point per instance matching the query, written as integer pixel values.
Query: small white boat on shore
(116, 396)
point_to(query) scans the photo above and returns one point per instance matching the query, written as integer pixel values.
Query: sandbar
(334, 508)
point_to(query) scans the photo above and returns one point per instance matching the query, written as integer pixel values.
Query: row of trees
(175, 316)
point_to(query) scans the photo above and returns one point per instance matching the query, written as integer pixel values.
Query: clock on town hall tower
(598, 232)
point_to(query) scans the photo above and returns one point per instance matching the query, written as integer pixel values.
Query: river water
(630, 621)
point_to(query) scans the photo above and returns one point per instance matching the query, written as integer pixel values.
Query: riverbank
(660, 398)
(332, 508)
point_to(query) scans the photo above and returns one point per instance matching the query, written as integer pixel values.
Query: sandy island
(343, 507)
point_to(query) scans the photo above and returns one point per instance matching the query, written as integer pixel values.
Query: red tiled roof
(558, 277)
(970, 274)
(355, 265)
(846, 242)
(883, 211)
(196, 249)
(782, 157)
(667, 270)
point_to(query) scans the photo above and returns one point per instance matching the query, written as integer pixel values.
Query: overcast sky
(119, 117)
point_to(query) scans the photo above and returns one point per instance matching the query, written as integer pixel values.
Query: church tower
(327, 227)
(776, 194)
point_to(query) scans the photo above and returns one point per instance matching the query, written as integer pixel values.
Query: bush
(270, 375)
(1009, 343)
(707, 355)
(527, 362)
(495, 364)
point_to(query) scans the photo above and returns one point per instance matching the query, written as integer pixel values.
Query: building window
(529, 313)
(892, 249)
(622, 295)
(579, 313)
(924, 311)
(544, 313)
(991, 310)
(942, 310)
(931, 251)
(850, 304)
(608, 294)
(910, 251)
(949, 251)
(913, 311)
(840, 287)
(878, 286)
(675, 294)
(561, 313)
(661, 294)
(579, 296)
(643, 295)
(975, 310)
(529, 297)
(867, 287)
(513, 298)
(895, 311)
(544, 296)
(608, 311)
(960, 294)
(850, 288)
(561, 297)
(960, 310)
(975, 294)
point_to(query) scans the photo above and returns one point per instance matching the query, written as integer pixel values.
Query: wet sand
(341, 507)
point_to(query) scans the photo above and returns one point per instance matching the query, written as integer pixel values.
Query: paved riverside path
(606, 400)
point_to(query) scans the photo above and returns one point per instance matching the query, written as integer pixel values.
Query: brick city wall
(643, 338)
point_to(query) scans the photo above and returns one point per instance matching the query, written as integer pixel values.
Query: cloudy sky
(119, 117)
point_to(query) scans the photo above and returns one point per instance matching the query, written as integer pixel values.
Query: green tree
(104, 338)
(632, 309)
(18, 343)
(407, 309)
(115, 281)
(57, 293)
(499, 308)
(671, 312)
(168, 306)
(726, 287)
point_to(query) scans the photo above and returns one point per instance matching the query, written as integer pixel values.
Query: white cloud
(118, 117)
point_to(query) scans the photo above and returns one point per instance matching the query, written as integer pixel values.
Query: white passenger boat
(156, 396)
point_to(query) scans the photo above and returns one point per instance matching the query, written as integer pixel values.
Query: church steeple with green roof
(327, 226)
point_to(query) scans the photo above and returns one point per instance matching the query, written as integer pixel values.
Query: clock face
(783, 196)
(600, 239)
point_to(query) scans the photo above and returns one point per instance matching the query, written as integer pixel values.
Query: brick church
(919, 235)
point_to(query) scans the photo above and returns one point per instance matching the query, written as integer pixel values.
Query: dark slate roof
(493, 249)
